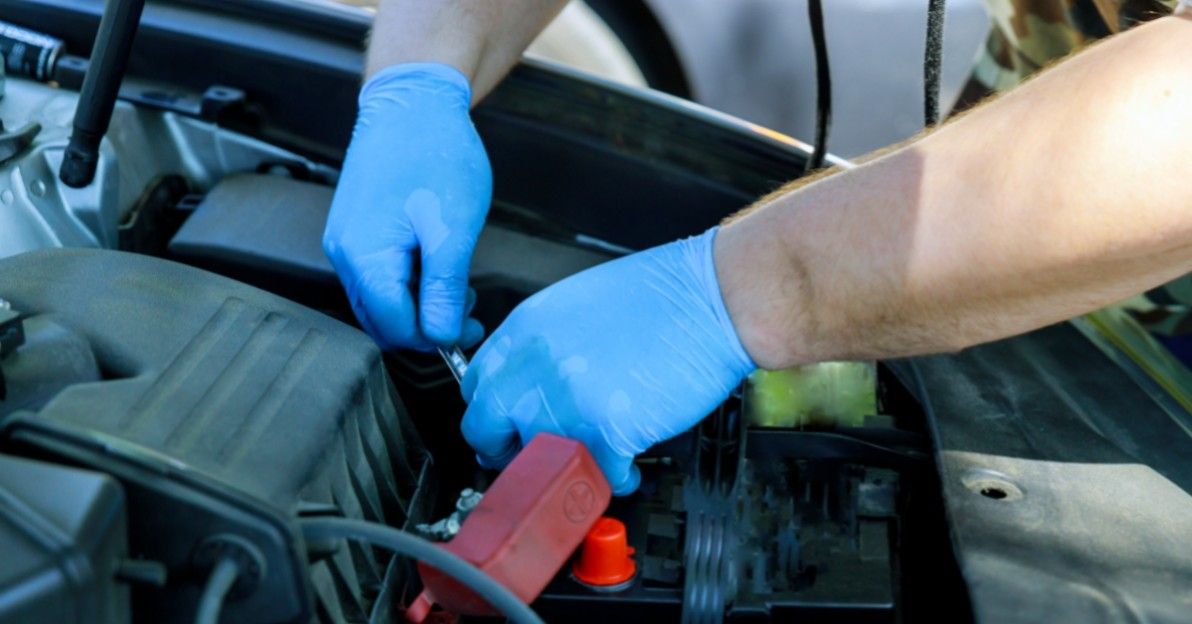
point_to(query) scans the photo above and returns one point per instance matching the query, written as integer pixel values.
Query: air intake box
(62, 533)
(221, 409)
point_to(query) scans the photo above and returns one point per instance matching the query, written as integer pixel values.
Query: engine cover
(223, 410)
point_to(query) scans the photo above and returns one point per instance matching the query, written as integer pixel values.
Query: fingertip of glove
(441, 309)
(472, 333)
(386, 318)
(330, 243)
(467, 385)
(443, 332)
(628, 485)
(497, 462)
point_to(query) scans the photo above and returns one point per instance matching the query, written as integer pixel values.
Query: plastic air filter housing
(62, 531)
(222, 410)
(527, 526)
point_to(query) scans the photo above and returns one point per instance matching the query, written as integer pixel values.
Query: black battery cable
(321, 529)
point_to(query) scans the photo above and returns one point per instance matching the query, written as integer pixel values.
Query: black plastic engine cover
(222, 409)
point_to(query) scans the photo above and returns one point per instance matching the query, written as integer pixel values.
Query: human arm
(416, 182)
(1066, 195)
(481, 39)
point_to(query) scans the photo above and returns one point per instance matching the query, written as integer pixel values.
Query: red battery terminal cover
(530, 521)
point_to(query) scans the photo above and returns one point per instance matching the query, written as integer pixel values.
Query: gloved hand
(619, 357)
(416, 180)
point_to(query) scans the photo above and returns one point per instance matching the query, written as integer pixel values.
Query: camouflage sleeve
(1027, 35)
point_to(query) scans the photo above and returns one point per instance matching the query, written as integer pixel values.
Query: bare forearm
(1066, 195)
(481, 38)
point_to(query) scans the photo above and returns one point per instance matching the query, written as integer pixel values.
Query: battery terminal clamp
(525, 528)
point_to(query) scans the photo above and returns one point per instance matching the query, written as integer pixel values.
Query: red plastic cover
(526, 527)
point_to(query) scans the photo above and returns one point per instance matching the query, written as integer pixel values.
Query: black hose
(933, 60)
(495, 594)
(223, 576)
(823, 86)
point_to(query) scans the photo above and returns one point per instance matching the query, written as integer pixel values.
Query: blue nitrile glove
(416, 180)
(619, 357)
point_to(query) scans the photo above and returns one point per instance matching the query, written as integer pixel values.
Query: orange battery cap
(606, 557)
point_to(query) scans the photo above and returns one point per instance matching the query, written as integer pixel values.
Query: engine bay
(225, 414)
(183, 391)
(228, 413)
(193, 429)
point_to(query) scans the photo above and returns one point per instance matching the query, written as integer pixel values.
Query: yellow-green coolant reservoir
(824, 395)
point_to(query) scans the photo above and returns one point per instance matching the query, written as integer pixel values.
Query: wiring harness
(932, 69)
